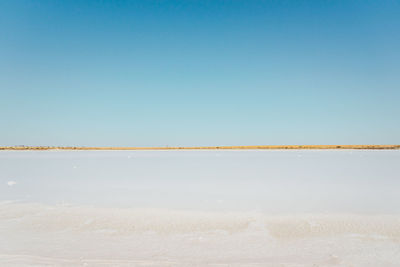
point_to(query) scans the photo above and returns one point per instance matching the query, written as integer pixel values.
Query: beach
(200, 208)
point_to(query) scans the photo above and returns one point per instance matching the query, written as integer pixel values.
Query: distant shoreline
(378, 147)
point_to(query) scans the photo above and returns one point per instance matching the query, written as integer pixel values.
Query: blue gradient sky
(151, 73)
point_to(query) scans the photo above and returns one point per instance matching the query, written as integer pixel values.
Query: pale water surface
(200, 208)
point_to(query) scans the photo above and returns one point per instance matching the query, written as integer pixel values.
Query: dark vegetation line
(202, 147)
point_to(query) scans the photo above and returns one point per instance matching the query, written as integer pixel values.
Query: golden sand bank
(202, 147)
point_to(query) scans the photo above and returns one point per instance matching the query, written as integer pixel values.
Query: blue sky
(156, 73)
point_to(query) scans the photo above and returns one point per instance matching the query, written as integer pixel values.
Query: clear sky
(156, 73)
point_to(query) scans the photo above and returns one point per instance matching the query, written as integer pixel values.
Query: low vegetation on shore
(202, 147)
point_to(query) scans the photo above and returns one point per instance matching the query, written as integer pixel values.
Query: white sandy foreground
(200, 208)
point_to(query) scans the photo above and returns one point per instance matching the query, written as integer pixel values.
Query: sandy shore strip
(203, 147)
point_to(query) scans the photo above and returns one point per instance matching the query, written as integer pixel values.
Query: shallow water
(200, 208)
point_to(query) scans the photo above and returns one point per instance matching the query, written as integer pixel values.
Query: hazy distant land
(202, 147)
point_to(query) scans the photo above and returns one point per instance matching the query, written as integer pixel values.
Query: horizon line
(23, 147)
